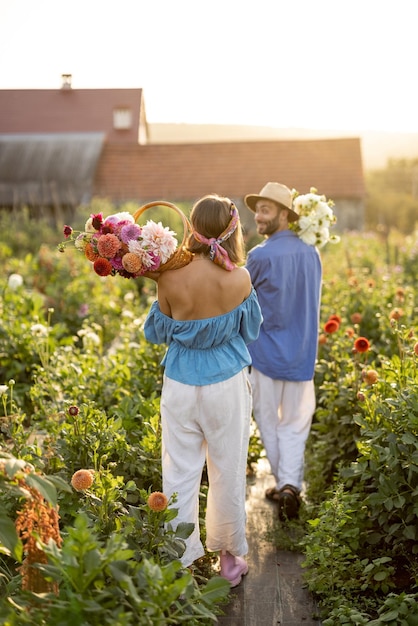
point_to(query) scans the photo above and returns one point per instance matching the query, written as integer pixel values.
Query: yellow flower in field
(157, 501)
(82, 479)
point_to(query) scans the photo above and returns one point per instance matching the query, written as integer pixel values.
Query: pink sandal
(233, 568)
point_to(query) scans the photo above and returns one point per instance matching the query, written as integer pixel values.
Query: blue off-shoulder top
(206, 351)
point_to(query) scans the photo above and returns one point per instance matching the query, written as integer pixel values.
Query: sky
(318, 64)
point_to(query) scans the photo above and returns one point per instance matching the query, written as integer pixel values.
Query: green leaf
(410, 532)
(60, 483)
(184, 530)
(389, 616)
(13, 466)
(44, 486)
(216, 589)
(9, 539)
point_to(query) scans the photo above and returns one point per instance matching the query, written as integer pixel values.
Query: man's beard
(268, 228)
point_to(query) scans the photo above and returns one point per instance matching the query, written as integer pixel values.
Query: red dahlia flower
(102, 267)
(331, 326)
(361, 344)
(97, 220)
(335, 317)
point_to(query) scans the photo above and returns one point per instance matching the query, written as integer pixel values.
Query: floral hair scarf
(217, 253)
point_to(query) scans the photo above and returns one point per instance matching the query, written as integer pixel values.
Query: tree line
(392, 197)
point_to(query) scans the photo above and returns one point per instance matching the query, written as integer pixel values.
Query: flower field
(361, 544)
(85, 535)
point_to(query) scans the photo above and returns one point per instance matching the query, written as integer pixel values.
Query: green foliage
(79, 389)
(363, 449)
(85, 395)
(392, 196)
(102, 583)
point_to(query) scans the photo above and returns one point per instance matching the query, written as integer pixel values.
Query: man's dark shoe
(289, 503)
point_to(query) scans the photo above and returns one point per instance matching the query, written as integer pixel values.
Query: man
(287, 275)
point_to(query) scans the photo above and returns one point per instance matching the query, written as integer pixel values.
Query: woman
(207, 312)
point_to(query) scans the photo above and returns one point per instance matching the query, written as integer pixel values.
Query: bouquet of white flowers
(315, 218)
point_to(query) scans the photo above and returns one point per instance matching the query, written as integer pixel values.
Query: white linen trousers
(283, 411)
(212, 423)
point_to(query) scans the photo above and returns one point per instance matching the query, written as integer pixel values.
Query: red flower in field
(356, 318)
(67, 231)
(395, 314)
(371, 283)
(102, 267)
(361, 344)
(82, 479)
(416, 348)
(370, 376)
(73, 410)
(157, 501)
(349, 331)
(336, 318)
(360, 396)
(331, 326)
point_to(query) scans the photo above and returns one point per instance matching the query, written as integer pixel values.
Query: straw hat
(277, 193)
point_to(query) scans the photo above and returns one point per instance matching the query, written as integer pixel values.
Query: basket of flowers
(119, 245)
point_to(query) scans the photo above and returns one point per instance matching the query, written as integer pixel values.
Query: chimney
(66, 81)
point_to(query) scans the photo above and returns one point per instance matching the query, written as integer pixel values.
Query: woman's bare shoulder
(243, 277)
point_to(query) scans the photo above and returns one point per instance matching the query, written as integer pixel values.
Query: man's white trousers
(283, 412)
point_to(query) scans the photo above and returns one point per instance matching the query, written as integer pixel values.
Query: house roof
(62, 146)
(234, 169)
(72, 111)
(48, 169)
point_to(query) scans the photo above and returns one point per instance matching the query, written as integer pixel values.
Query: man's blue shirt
(287, 276)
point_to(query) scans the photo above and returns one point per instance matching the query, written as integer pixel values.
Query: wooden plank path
(273, 591)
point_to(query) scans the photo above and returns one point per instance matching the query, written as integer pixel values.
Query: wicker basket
(181, 256)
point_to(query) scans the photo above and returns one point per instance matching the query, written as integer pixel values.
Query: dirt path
(273, 591)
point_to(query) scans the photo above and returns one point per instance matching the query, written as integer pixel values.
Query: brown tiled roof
(130, 169)
(187, 171)
(70, 111)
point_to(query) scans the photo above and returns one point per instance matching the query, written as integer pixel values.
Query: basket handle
(182, 256)
(186, 224)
